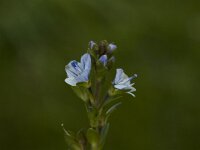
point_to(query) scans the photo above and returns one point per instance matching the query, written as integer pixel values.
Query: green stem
(95, 116)
(91, 97)
(97, 123)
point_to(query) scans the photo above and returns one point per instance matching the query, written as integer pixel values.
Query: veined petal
(118, 75)
(121, 87)
(86, 61)
(69, 65)
(70, 70)
(73, 69)
(73, 66)
(125, 81)
(123, 77)
(77, 67)
(83, 77)
(70, 74)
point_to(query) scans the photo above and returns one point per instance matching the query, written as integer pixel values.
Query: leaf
(111, 109)
(71, 140)
(104, 133)
(81, 93)
(81, 137)
(111, 100)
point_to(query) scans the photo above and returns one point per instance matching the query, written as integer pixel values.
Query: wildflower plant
(92, 82)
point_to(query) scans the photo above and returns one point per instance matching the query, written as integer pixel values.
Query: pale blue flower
(103, 59)
(112, 47)
(123, 82)
(78, 71)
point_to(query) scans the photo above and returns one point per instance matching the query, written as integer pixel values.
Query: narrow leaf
(111, 109)
(104, 133)
(71, 140)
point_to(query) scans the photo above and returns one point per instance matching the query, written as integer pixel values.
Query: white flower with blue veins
(78, 72)
(123, 82)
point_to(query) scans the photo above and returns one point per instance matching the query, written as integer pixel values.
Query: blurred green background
(159, 40)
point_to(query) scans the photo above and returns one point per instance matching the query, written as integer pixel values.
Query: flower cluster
(90, 79)
(79, 72)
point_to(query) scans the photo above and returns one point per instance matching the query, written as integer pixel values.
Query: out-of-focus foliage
(159, 40)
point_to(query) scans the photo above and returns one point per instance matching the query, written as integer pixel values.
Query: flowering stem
(90, 82)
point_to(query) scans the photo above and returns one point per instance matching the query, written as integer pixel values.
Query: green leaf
(111, 109)
(71, 140)
(111, 100)
(104, 133)
(81, 137)
(81, 92)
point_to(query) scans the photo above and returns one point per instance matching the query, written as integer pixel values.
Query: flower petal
(120, 87)
(130, 94)
(70, 74)
(70, 70)
(83, 77)
(118, 75)
(71, 81)
(73, 69)
(86, 61)
(132, 89)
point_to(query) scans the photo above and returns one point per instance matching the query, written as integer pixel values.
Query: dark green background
(159, 40)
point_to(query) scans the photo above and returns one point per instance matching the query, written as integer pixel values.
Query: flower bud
(92, 44)
(103, 47)
(111, 48)
(103, 59)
